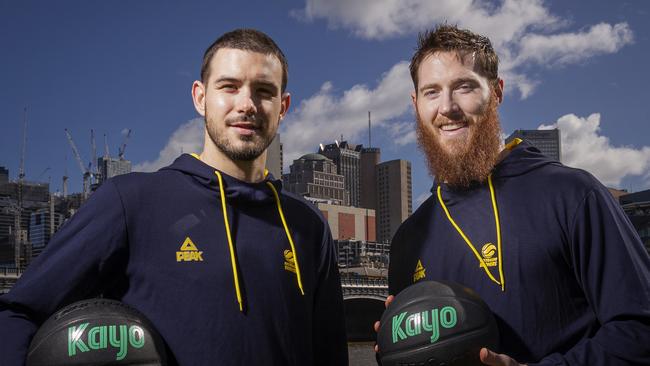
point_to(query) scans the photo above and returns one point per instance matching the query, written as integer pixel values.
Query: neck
(247, 171)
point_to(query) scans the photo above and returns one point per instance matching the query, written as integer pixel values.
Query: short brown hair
(451, 38)
(247, 40)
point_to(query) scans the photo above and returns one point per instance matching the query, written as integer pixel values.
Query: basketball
(436, 323)
(97, 332)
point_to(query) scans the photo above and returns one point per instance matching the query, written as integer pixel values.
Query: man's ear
(284, 105)
(198, 97)
(414, 99)
(498, 90)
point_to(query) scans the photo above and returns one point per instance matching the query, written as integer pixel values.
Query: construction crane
(123, 147)
(92, 166)
(84, 171)
(65, 178)
(19, 235)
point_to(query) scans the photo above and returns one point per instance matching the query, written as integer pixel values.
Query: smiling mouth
(454, 126)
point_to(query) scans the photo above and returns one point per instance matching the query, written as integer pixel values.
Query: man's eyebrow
(226, 79)
(428, 86)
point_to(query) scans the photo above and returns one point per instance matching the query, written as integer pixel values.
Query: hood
(522, 158)
(236, 191)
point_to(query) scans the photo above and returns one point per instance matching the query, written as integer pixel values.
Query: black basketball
(436, 323)
(97, 332)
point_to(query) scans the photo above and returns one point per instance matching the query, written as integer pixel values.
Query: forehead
(236, 63)
(448, 66)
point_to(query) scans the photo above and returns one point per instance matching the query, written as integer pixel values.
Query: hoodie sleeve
(330, 343)
(77, 263)
(613, 270)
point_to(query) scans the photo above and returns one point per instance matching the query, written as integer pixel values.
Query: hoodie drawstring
(286, 230)
(233, 259)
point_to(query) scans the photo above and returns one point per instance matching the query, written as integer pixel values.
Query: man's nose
(246, 103)
(448, 106)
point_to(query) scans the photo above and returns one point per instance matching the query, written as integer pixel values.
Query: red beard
(470, 162)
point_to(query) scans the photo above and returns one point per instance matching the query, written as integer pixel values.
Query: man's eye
(265, 93)
(465, 87)
(430, 93)
(228, 87)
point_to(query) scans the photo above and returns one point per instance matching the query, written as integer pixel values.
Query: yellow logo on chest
(419, 272)
(488, 251)
(289, 264)
(189, 252)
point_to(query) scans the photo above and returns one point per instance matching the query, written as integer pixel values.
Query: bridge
(8, 276)
(363, 300)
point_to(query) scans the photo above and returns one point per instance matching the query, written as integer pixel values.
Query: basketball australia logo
(488, 251)
(289, 265)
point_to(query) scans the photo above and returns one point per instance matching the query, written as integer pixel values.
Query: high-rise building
(43, 224)
(111, 167)
(394, 197)
(349, 223)
(314, 177)
(637, 207)
(369, 158)
(274, 157)
(4, 175)
(347, 161)
(547, 141)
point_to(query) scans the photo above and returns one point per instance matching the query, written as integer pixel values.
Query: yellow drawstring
(502, 279)
(233, 261)
(286, 230)
(231, 247)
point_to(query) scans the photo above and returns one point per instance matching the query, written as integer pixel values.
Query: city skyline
(131, 67)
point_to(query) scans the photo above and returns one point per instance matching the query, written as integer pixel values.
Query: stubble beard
(254, 144)
(470, 161)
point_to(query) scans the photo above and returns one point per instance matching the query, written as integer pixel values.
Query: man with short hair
(229, 268)
(546, 246)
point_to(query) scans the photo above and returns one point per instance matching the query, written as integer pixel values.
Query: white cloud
(584, 147)
(187, 138)
(324, 117)
(402, 133)
(567, 48)
(523, 32)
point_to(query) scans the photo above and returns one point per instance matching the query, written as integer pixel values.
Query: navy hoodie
(124, 243)
(576, 276)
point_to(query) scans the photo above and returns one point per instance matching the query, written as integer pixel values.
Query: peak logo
(100, 337)
(189, 252)
(419, 272)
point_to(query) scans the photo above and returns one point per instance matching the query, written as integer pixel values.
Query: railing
(8, 272)
(364, 287)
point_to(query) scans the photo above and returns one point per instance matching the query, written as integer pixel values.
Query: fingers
(496, 359)
(377, 326)
(389, 299)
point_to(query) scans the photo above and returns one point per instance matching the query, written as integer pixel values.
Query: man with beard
(229, 268)
(546, 246)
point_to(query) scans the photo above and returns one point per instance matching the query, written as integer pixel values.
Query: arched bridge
(363, 299)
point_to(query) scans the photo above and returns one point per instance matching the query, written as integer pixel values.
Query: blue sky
(112, 65)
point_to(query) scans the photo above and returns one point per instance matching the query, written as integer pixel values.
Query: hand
(389, 299)
(496, 359)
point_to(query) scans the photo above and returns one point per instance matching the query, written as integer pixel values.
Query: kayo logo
(100, 337)
(430, 321)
